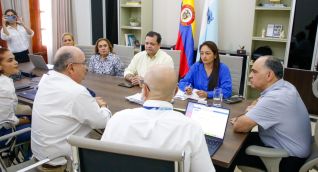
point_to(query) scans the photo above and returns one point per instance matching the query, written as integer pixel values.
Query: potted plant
(133, 21)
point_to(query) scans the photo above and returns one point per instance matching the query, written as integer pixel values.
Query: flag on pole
(185, 41)
(209, 25)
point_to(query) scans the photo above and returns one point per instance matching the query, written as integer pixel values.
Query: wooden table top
(107, 87)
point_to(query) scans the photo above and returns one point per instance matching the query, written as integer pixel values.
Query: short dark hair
(275, 65)
(61, 61)
(108, 43)
(10, 10)
(152, 34)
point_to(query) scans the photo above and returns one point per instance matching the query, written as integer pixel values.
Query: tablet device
(126, 84)
(232, 100)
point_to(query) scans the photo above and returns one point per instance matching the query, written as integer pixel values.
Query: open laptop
(38, 62)
(213, 121)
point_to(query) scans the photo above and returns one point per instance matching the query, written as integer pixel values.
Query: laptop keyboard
(213, 145)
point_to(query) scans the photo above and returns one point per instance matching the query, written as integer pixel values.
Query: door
(302, 52)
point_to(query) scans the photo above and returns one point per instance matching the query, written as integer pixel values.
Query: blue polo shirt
(283, 120)
(198, 79)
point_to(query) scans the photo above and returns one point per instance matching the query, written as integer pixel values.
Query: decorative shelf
(131, 27)
(273, 8)
(255, 38)
(130, 5)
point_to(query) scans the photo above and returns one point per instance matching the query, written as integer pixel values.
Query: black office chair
(96, 155)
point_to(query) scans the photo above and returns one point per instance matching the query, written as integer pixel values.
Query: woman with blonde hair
(68, 39)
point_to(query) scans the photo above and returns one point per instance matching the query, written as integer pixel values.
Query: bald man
(63, 107)
(281, 117)
(156, 125)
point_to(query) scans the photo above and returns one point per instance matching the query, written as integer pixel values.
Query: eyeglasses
(83, 63)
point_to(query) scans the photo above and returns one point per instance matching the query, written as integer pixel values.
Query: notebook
(38, 62)
(213, 121)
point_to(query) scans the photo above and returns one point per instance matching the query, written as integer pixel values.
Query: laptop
(213, 121)
(28, 94)
(21, 86)
(38, 62)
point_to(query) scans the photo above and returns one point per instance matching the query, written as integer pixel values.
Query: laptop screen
(212, 119)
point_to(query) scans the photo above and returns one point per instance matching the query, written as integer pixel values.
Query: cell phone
(126, 84)
(232, 100)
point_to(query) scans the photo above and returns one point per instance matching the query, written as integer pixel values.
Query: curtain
(62, 21)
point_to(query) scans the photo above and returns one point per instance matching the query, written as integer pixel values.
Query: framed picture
(131, 40)
(274, 30)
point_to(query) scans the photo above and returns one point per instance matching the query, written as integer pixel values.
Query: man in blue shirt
(282, 118)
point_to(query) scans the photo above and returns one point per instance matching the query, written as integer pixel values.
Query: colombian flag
(185, 41)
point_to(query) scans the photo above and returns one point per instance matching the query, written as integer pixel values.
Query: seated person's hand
(136, 80)
(202, 94)
(24, 120)
(101, 102)
(188, 90)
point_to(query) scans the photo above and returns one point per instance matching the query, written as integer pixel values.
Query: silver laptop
(213, 121)
(38, 62)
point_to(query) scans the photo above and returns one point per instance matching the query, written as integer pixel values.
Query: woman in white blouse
(8, 98)
(16, 34)
(104, 61)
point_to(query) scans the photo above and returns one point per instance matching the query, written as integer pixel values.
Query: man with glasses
(63, 107)
(144, 60)
(156, 125)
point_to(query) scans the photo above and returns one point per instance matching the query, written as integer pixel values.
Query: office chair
(8, 150)
(271, 157)
(89, 50)
(315, 88)
(96, 155)
(235, 64)
(175, 55)
(125, 53)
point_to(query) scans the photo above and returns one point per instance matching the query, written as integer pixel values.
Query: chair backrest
(175, 55)
(125, 53)
(88, 50)
(235, 64)
(95, 155)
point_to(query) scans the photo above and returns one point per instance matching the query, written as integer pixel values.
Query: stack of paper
(183, 96)
(136, 98)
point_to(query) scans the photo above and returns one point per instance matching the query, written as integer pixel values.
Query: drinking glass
(217, 97)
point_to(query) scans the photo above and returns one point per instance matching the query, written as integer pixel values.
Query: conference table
(107, 87)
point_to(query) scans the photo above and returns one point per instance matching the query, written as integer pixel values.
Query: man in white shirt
(156, 125)
(63, 107)
(144, 60)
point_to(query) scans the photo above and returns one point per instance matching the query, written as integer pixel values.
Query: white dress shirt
(161, 128)
(142, 62)
(18, 39)
(62, 108)
(8, 100)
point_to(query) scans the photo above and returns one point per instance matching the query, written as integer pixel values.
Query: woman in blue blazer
(207, 74)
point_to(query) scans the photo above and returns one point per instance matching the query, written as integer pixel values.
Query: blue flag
(209, 24)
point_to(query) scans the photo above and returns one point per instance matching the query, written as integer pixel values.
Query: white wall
(235, 17)
(82, 22)
(235, 22)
